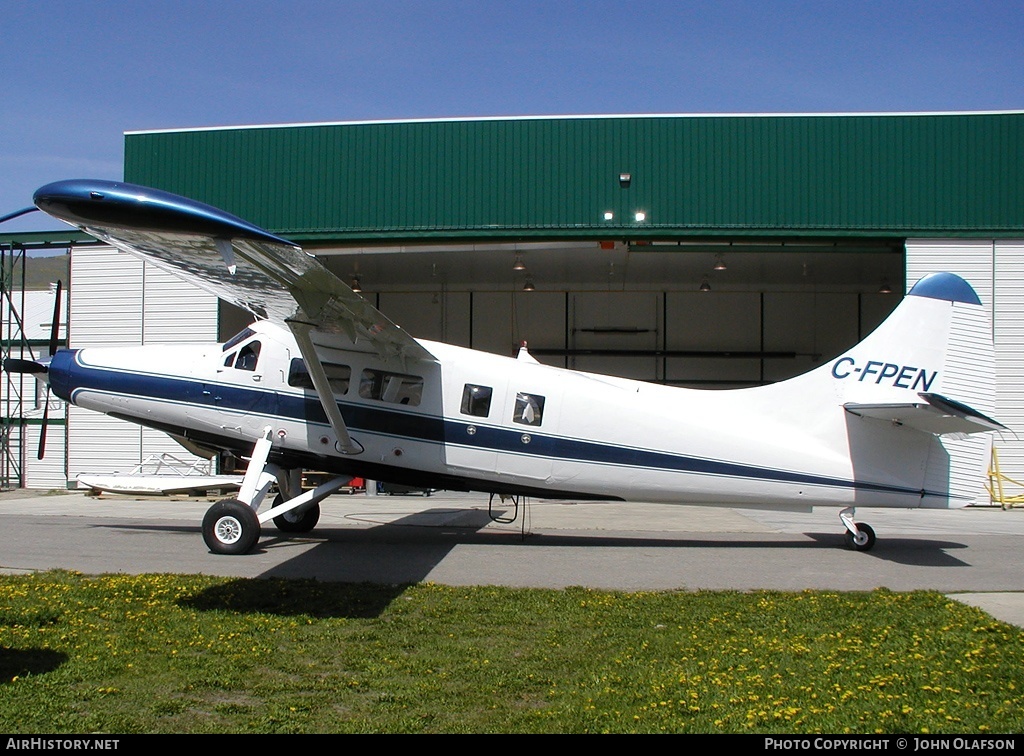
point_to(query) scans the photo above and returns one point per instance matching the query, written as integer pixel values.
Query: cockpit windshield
(237, 339)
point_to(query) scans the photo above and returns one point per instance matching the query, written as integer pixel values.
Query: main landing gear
(232, 526)
(859, 536)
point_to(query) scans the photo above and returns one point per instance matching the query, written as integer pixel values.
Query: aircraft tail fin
(917, 395)
(937, 343)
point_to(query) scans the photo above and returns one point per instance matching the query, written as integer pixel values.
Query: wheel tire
(298, 522)
(864, 542)
(231, 527)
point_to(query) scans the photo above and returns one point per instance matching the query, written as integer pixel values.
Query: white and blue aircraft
(323, 381)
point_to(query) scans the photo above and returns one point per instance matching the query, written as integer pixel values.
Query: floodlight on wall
(608, 215)
(356, 286)
(704, 285)
(719, 262)
(624, 180)
(518, 264)
(528, 286)
(640, 216)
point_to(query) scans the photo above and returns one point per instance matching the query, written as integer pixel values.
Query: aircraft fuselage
(477, 421)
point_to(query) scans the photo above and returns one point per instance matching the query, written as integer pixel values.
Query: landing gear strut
(296, 520)
(859, 535)
(232, 526)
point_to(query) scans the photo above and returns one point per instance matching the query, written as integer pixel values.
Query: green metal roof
(953, 174)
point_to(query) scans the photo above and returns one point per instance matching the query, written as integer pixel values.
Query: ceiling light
(704, 285)
(528, 286)
(885, 288)
(519, 264)
(355, 284)
(719, 262)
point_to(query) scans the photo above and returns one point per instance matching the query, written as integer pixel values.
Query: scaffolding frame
(20, 397)
(996, 485)
(12, 337)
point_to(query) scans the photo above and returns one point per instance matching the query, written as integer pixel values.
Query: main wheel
(863, 541)
(297, 521)
(231, 527)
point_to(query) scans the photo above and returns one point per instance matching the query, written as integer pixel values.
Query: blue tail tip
(946, 286)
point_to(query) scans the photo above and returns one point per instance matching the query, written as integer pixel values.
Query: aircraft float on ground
(323, 381)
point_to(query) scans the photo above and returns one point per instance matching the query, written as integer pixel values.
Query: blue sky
(74, 76)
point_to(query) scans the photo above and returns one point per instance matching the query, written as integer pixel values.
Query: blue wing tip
(947, 286)
(86, 202)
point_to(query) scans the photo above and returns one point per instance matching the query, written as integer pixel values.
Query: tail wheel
(231, 527)
(864, 539)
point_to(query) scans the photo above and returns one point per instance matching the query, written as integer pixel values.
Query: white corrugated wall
(995, 269)
(1009, 336)
(49, 471)
(119, 300)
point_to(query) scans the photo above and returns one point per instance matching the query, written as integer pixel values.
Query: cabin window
(229, 360)
(338, 376)
(529, 409)
(476, 400)
(248, 356)
(391, 387)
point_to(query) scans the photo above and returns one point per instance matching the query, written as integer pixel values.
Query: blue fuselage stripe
(69, 376)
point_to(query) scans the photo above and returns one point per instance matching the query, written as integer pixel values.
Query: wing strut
(345, 444)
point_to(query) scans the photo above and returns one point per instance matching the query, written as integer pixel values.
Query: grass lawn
(191, 654)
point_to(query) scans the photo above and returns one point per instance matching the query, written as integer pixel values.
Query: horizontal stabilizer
(936, 414)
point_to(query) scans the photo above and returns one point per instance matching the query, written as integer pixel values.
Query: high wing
(271, 277)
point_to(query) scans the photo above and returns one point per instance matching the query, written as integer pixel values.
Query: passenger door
(530, 420)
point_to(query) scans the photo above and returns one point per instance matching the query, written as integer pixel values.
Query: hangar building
(709, 251)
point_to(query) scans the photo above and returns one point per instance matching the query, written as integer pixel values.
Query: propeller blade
(54, 343)
(31, 367)
(42, 428)
(55, 325)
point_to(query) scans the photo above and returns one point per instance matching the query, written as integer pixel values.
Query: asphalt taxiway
(461, 539)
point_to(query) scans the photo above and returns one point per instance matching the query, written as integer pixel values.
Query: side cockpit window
(248, 356)
(245, 358)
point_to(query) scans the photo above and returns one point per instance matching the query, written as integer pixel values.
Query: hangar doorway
(695, 312)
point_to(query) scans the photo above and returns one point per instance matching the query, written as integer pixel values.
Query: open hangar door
(703, 313)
